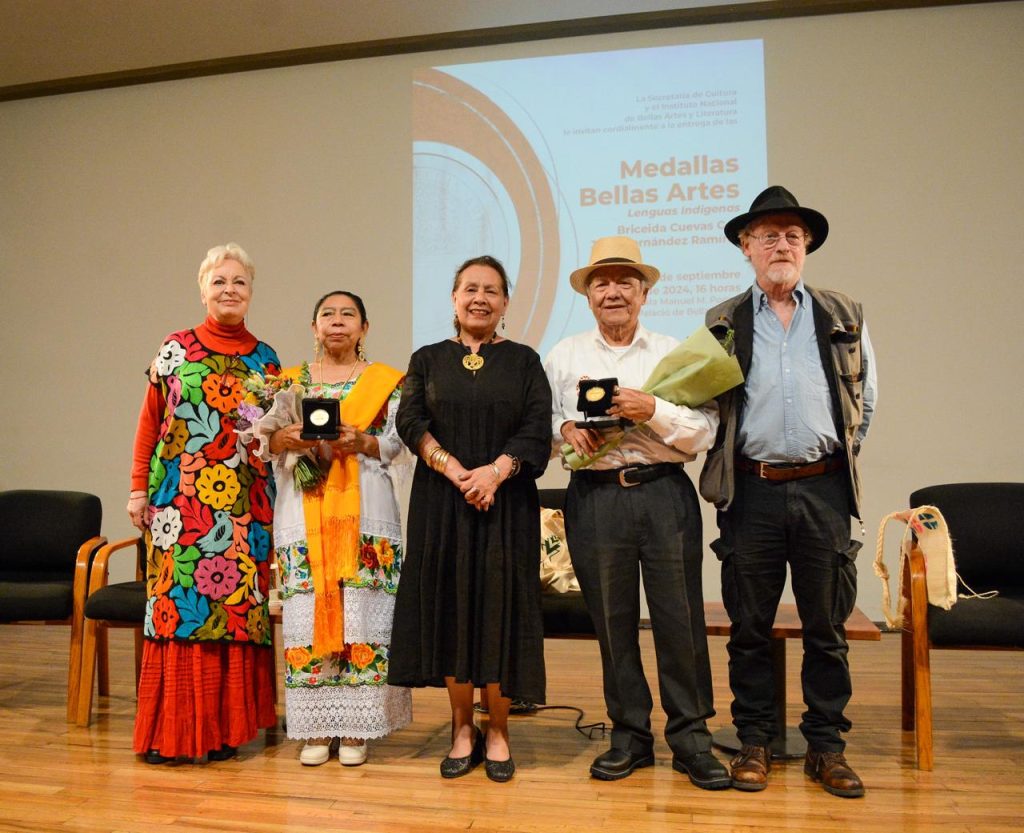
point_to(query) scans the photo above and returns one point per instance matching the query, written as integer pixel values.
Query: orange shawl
(332, 513)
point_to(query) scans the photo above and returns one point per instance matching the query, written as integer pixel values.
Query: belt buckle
(761, 470)
(622, 477)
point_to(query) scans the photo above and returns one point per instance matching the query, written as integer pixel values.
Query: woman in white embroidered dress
(338, 582)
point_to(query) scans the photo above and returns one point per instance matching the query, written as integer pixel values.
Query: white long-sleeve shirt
(675, 434)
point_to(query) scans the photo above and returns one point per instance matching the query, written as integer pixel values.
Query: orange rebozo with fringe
(332, 511)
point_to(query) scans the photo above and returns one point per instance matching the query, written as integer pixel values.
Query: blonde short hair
(217, 255)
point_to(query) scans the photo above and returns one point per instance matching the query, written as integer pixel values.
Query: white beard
(782, 273)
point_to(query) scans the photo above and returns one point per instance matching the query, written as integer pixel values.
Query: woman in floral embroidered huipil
(204, 504)
(339, 547)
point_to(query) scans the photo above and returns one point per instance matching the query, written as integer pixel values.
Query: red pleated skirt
(198, 696)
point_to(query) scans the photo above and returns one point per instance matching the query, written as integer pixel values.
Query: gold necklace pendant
(473, 361)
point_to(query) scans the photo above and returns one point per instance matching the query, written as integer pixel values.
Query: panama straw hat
(613, 251)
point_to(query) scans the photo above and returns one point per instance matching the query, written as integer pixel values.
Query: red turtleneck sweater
(227, 339)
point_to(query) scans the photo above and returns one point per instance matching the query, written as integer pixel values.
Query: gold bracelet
(497, 472)
(438, 459)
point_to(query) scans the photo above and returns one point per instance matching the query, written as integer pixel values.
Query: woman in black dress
(477, 409)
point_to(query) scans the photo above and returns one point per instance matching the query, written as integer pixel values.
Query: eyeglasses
(796, 239)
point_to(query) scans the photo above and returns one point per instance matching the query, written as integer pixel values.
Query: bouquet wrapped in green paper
(694, 372)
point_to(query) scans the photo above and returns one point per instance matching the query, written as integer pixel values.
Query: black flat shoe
(222, 754)
(154, 757)
(457, 767)
(499, 771)
(618, 763)
(704, 770)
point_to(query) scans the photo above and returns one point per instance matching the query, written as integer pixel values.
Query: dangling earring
(316, 349)
(458, 326)
(360, 352)
(503, 323)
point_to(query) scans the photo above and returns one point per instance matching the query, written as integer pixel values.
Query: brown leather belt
(779, 473)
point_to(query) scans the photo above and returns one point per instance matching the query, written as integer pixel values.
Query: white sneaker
(352, 755)
(316, 751)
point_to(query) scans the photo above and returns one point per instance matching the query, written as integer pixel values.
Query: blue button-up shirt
(787, 410)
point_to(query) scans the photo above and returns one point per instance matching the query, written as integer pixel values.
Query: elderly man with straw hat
(783, 474)
(635, 507)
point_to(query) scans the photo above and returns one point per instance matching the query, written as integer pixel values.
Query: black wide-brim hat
(777, 200)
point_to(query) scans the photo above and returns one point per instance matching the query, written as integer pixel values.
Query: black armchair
(984, 525)
(47, 541)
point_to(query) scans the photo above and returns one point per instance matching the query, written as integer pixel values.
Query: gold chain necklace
(474, 361)
(350, 374)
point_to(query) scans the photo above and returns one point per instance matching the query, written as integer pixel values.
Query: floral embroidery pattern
(171, 355)
(218, 486)
(223, 391)
(380, 565)
(295, 574)
(208, 569)
(216, 577)
(165, 617)
(165, 527)
(174, 440)
(359, 663)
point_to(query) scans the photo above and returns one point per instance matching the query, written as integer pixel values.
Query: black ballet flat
(499, 771)
(457, 767)
(223, 754)
(154, 757)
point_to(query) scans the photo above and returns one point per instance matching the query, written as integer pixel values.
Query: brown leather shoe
(750, 768)
(834, 773)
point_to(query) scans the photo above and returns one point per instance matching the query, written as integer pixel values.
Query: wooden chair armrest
(917, 685)
(915, 588)
(85, 552)
(83, 561)
(916, 561)
(101, 563)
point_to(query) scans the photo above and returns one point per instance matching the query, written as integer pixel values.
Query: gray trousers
(612, 531)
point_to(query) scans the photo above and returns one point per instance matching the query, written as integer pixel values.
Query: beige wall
(903, 127)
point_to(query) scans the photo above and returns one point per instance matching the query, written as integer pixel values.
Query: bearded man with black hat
(635, 508)
(783, 475)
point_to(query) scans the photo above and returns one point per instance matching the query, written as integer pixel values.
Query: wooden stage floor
(57, 777)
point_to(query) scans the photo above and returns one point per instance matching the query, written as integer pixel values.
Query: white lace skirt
(346, 694)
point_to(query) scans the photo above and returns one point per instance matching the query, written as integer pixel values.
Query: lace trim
(362, 712)
(381, 529)
(368, 617)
